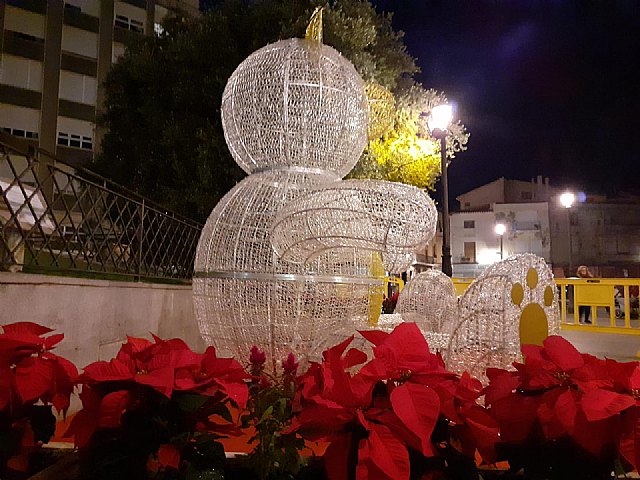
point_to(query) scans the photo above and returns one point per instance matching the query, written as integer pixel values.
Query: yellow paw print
(534, 325)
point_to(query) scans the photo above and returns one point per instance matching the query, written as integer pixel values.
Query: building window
(72, 8)
(469, 224)
(129, 24)
(18, 132)
(526, 196)
(76, 141)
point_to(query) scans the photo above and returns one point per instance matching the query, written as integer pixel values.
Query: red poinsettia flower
(23, 339)
(212, 374)
(565, 392)
(335, 405)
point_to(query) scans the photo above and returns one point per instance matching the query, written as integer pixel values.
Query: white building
(55, 54)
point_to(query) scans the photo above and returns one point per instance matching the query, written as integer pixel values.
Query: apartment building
(54, 57)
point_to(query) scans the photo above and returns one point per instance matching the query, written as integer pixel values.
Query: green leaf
(194, 473)
(190, 402)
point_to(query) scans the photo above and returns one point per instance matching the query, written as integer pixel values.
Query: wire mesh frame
(52, 219)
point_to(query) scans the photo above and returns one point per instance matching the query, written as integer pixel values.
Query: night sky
(546, 88)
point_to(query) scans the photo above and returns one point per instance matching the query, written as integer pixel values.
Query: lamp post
(567, 199)
(438, 122)
(500, 229)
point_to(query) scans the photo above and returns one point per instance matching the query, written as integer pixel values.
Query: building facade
(599, 232)
(55, 55)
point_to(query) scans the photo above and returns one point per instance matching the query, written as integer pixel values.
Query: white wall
(79, 41)
(77, 87)
(117, 51)
(19, 117)
(24, 21)
(21, 72)
(97, 315)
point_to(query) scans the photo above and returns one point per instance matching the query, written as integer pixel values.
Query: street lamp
(567, 199)
(500, 229)
(438, 122)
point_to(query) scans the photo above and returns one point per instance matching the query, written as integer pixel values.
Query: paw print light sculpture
(512, 303)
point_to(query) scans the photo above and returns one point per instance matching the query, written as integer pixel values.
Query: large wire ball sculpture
(392, 218)
(295, 102)
(512, 302)
(429, 300)
(244, 295)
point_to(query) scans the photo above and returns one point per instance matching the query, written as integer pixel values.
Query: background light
(567, 199)
(440, 117)
(500, 228)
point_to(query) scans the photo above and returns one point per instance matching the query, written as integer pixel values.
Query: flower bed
(159, 410)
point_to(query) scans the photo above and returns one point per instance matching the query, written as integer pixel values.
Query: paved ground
(615, 346)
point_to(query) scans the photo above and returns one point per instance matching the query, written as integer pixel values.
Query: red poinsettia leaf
(634, 381)
(6, 386)
(136, 344)
(336, 458)
(19, 328)
(161, 380)
(335, 353)
(236, 391)
(566, 409)
(374, 336)
(388, 453)
(52, 340)
(562, 353)
(354, 357)
(485, 430)
(112, 406)
(111, 371)
(502, 384)
(516, 415)
(82, 426)
(169, 456)
(19, 463)
(418, 407)
(34, 378)
(600, 404)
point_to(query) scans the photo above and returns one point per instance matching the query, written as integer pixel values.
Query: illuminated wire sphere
(295, 103)
(244, 295)
(513, 302)
(294, 115)
(429, 300)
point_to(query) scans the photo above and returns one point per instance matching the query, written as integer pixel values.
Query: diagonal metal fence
(54, 218)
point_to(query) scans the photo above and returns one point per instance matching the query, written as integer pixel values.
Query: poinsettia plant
(565, 414)
(400, 414)
(33, 380)
(157, 410)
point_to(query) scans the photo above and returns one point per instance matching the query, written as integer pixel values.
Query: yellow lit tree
(406, 152)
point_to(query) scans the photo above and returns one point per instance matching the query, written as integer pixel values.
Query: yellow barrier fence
(613, 303)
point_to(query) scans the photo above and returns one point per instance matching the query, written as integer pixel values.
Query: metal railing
(614, 303)
(54, 218)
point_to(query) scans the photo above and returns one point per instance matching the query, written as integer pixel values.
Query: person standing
(584, 310)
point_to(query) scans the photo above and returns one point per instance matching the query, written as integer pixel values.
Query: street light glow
(567, 199)
(440, 117)
(500, 228)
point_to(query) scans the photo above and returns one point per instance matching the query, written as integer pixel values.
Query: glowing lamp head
(440, 117)
(567, 199)
(500, 228)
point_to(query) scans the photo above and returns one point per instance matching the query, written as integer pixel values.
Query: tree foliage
(162, 115)
(406, 152)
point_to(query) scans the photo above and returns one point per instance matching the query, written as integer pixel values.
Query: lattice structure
(295, 103)
(387, 217)
(429, 300)
(512, 302)
(295, 116)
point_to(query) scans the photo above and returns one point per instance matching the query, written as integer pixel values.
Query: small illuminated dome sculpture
(513, 302)
(429, 300)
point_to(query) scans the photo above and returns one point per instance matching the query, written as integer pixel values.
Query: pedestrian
(584, 310)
